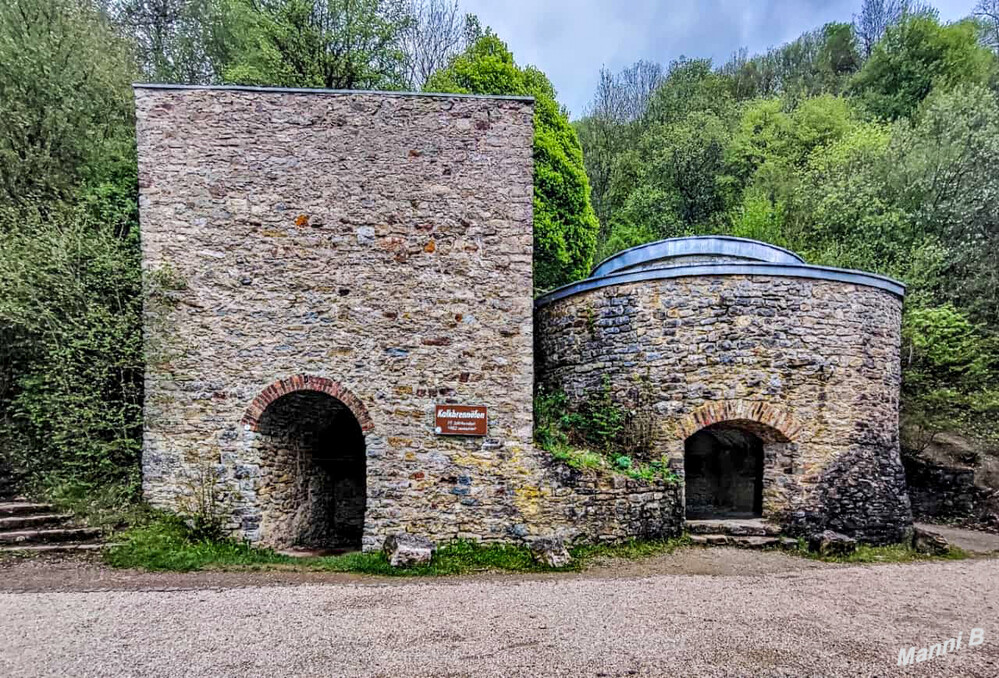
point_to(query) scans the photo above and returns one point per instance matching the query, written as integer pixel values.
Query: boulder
(407, 550)
(829, 543)
(550, 552)
(926, 541)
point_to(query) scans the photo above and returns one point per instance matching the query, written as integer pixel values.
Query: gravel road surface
(809, 622)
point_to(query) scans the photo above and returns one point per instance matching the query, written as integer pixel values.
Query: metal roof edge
(315, 90)
(780, 270)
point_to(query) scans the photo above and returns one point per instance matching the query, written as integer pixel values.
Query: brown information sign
(460, 420)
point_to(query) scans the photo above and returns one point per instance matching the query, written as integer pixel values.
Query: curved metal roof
(701, 245)
(718, 255)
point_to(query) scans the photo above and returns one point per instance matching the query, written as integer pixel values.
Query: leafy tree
(950, 368)
(946, 172)
(183, 41)
(65, 99)
(690, 86)
(917, 55)
(817, 61)
(336, 44)
(72, 308)
(611, 125)
(565, 226)
(838, 57)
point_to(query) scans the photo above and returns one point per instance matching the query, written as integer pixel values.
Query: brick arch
(306, 382)
(782, 424)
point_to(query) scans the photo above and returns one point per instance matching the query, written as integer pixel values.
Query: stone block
(830, 543)
(407, 550)
(929, 542)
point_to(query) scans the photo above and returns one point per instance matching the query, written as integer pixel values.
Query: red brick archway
(782, 427)
(306, 382)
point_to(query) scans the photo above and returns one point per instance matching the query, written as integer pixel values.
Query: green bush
(592, 436)
(565, 225)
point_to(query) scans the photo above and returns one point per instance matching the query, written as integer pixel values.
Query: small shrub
(623, 462)
(205, 509)
(590, 438)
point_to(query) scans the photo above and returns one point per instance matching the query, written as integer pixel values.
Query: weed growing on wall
(593, 436)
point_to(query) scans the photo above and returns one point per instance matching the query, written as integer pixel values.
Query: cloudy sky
(571, 39)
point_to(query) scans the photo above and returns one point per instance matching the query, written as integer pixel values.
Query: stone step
(49, 536)
(20, 508)
(22, 522)
(65, 547)
(750, 527)
(748, 542)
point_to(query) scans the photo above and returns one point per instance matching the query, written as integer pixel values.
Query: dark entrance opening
(312, 456)
(723, 469)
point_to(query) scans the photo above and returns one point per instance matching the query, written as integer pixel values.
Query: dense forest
(870, 144)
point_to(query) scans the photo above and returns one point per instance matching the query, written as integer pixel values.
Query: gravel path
(816, 621)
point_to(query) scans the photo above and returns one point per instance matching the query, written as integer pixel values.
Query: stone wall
(940, 492)
(810, 366)
(375, 248)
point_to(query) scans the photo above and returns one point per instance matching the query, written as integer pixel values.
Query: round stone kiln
(770, 385)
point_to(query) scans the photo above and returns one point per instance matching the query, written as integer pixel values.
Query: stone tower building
(770, 385)
(325, 269)
(341, 339)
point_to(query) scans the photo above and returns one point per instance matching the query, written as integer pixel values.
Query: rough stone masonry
(744, 340)
(323, 268)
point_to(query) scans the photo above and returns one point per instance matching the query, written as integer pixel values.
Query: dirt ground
(89, 574)
(715, 612)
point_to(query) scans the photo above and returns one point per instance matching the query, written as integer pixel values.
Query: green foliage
(565, 225)
(65, 100)
(72, 305)
(110, 506)
(945, 173)
(591, 437)
(891, 553)
(950, 370)
(185, 41)
(336, 44)
(599, 421)
(917, 55)
(166, 543)
(690, 87)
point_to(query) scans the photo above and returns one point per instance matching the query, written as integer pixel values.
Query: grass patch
(891, 553)
(165, 544)
(108, 507)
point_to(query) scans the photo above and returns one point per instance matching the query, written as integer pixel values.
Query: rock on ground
(929, 541)
(550, 552)
(407, 550)
(829, 543)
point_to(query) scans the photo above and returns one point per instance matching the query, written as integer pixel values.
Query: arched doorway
(313, 472)
(723, 472)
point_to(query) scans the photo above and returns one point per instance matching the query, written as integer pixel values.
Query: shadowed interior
(313, 462)
(723, 467)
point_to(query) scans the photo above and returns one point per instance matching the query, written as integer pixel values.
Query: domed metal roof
(711, 255)
(694, 249)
